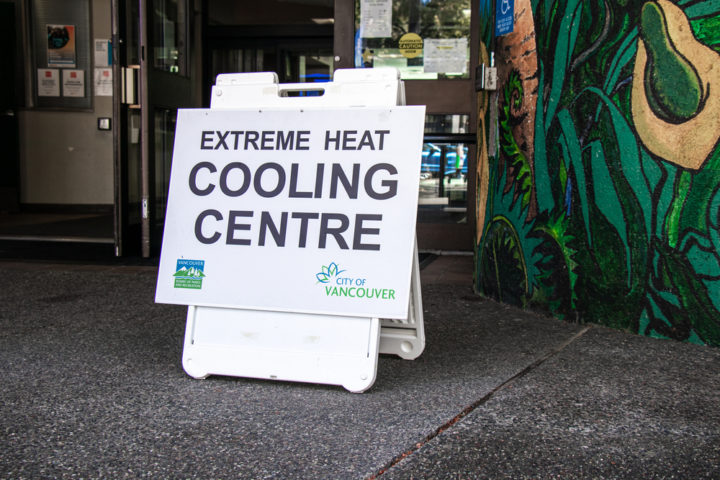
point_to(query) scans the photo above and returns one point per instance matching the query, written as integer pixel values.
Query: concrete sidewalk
(94, 388)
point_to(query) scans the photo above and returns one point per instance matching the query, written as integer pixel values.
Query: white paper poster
(102, 52)
(376, 18)
(103, 82)
(48, 82)
(445, 55)
(307, 210)
(73, 83)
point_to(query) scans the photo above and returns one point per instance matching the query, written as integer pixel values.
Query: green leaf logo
(328, 272)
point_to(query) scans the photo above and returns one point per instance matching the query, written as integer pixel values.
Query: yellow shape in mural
(682, 127)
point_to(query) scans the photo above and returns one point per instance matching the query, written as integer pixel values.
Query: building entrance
(56, 166)
(89, 122)
(306, 40)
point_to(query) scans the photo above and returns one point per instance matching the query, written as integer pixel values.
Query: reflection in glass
(134, 178)
(164, 139)
(169, 35)
(269, 12)
(293, 65)
(424, 39)
(443, 183)
(132, 39)
(444, 124)
(308, 66)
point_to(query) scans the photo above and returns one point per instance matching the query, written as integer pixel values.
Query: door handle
(129, 88)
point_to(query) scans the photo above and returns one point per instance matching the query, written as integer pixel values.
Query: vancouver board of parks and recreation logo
(337, 283)
(189, 273)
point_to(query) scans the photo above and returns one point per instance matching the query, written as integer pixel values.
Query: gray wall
(64, 158)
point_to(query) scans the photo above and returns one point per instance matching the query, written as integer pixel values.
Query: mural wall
(603, 198)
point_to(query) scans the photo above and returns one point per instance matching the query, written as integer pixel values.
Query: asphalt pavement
(93, 387)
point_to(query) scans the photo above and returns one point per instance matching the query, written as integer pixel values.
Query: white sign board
(301, 210)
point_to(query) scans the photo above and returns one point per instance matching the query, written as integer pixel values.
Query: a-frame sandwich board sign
(290, 228)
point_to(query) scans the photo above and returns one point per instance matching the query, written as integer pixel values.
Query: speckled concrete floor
(93, 388)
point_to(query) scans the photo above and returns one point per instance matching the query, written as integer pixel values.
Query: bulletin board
(61, 56)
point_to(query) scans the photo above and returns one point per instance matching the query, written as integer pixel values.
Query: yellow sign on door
(410, 45)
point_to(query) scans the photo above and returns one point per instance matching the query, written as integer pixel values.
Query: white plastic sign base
(268, 345)
(406, 338)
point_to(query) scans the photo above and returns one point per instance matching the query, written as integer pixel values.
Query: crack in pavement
(470, 408)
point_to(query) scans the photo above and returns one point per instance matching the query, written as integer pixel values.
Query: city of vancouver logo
(328, 273)
(189, 273)
(337, 285)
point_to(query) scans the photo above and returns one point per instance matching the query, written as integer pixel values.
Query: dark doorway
(9, 162)
(293, 38)
(20, 220)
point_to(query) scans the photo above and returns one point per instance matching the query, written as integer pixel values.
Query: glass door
(126, 126)
(165, 86)
(434, 45)
(156, 78)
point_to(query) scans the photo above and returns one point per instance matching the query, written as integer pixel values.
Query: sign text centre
(376, 181)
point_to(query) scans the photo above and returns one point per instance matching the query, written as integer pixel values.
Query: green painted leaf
(571, 146)
(682, 185)
(704, 262)
(713, 288)
(714, 220)
(697, 309)
(705, 8)
(543, 191)
(564, 47)
(606, 198)
(629, 150)
(701, 253)
(515, 157)
(666, 190)
(625, 53)
(652, 172)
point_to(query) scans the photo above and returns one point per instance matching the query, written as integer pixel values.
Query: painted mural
(603, 198)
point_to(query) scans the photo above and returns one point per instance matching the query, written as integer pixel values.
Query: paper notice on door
(73, 83)
(48, 82)
(376, 18)
(103, 82)
(445, 55)
(102, 52)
